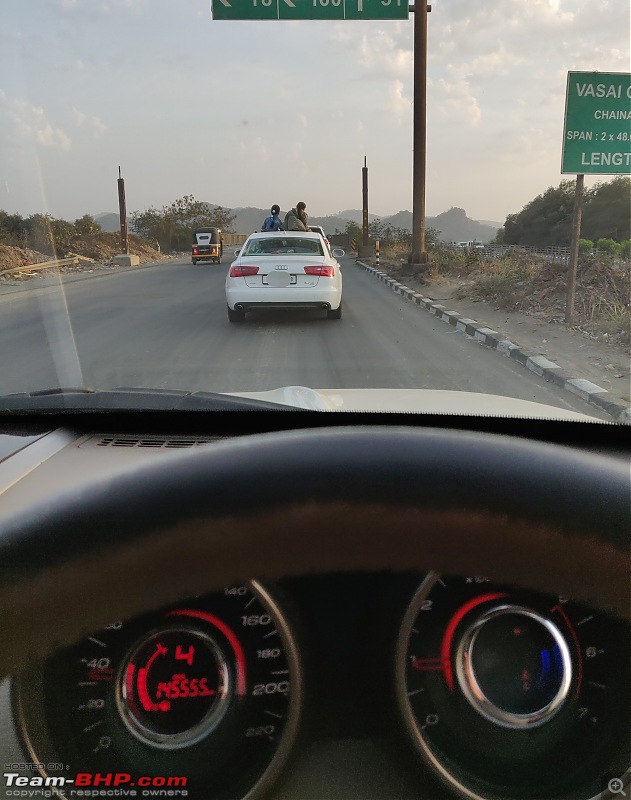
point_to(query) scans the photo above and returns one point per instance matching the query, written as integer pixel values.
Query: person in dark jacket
(297, 219)
(273, 223)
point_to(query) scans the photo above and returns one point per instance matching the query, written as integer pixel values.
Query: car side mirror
(338, 252)
(237, 251)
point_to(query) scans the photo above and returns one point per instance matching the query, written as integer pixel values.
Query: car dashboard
(334, 670)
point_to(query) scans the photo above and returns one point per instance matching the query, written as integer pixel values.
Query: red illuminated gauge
(206, 693)
(511, 694)
(175, 687)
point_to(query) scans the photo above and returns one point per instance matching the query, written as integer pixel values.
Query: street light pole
(418, 255)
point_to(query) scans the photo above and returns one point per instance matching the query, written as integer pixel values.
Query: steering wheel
(271, 505)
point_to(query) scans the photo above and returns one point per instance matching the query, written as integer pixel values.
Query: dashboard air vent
(155, 442)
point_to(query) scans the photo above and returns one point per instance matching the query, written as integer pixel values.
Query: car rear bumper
(322, 297)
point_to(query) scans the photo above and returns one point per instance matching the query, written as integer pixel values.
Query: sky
(254, 113)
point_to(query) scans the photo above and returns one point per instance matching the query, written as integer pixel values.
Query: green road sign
(597, 132)
(310, 9)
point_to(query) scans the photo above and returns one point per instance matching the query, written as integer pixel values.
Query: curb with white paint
(588, 391)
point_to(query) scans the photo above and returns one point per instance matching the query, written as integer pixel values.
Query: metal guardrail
(59, 262)
(552, 253)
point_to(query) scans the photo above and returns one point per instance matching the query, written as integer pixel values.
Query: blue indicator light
(545, 667)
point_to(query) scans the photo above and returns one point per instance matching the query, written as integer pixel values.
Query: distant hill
(109, 222)
(250, 219)
(454, 225)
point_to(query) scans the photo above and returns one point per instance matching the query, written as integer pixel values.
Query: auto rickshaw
(207, 245)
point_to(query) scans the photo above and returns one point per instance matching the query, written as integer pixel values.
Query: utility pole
(123, 214)
(365, 204)
(418, 257)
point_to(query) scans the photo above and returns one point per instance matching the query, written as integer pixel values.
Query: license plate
(278, 280)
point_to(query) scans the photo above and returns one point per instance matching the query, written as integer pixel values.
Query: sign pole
(419, 256)
(574, 247)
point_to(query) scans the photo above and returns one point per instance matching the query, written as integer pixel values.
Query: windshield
(268, 247)
(480, 271)
(206, 236)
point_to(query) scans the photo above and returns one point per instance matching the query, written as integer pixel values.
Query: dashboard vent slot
(156, 442)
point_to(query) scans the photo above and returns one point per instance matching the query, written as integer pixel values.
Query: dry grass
(530, 283)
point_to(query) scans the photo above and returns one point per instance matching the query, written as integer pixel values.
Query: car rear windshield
(287, 246)
(206, 235)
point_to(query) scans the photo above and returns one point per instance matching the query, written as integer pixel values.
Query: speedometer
(512, 694)
(199, 700)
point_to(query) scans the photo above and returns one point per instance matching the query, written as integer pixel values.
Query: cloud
(455, 102)
(30, 122)
(399, 104)
(96, 123)
(79, 117)
(387, 53)
(256, 148)
(98, 126)
(494, 63)
(303, 119)
(113, 6)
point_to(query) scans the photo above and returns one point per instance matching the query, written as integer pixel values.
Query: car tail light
(237, 271)
(323, 272)
(194, 251)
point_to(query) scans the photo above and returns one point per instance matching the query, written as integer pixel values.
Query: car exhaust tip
(325, 306)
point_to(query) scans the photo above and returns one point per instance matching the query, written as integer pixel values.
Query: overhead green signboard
(597, 132)
(310, 9)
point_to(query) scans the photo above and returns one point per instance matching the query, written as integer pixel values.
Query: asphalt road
(166, 327)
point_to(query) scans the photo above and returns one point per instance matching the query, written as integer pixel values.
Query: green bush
(86, 226)
(608, 246)
(585, 246)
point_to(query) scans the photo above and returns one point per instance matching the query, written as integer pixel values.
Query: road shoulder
(591, 369)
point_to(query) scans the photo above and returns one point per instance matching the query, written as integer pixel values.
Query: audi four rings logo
(281, 266)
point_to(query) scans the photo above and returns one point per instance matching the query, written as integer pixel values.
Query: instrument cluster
(490, 691)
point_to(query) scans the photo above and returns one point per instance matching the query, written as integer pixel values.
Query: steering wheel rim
(541, 516)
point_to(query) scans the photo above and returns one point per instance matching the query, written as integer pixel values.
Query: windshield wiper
(85, 399)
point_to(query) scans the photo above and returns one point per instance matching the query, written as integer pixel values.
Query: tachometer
(511, 694)
(201, 698)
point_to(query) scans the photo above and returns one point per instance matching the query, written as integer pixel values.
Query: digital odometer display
(208, 690)
(175, 686)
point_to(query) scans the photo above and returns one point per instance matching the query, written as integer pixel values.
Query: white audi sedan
(284, 269)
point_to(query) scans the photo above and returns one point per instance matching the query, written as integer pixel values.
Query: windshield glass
(206, 235)
(268, 247)
(144, 142)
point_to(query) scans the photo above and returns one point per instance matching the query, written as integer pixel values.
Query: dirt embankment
(535, 287)
(19, 256)
(96, 250)
(102, 247)
(524, 299)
